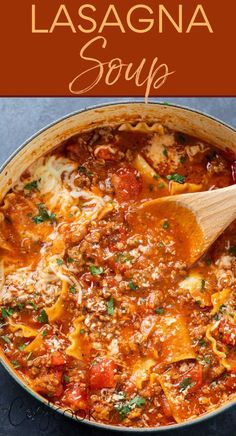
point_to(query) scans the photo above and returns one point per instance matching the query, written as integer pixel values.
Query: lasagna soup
(99, 311)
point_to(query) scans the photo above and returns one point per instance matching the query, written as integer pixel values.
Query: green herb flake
(96, 270)
(176, 178)
(208, 262)
(165, 224)
(60, 262)
(132, 286)
(32, 186)
(82, 331)
(44, 333)
(138, 402)
(156, 177)
(82, 169)
(6, 339)
(20, 306)
(32, 304)
(182, 159)
(125, 408)
(7, 311)
(70, 260)
(186, 382)
(207, 360)
(202, 342)
(22, 347)
(43, 215)
(160, 310)
(110, 306)
(43, 318)
(232, 250)
(161, 185)
(15, 364)
(72, 289)
(66, 378)
(165, 152)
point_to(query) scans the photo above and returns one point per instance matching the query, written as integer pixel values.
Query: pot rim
(12, 372)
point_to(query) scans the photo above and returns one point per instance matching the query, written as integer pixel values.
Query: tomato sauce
(99, 309)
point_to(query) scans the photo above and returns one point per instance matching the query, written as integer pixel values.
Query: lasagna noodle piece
(219, 298)
(193, 285)
(35, 345)
(174, 336)
(142, 127)
(147, 172)
(184, 188)
(181, 408)
(141, 371)
(55, 312)
(25, 331)
(78, 349)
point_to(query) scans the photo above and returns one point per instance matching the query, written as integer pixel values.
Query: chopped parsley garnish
(165, 152)
(161, 185)
(31, 303)
(82, 331)
(20, 306)
(15, 363)
(186, 382)
(43, 215)
(232, 251)
(110, 306)
(70, 260)
(160, 310)
(207, 359)
(96, 270)
(60, 262)
(44, 333)
(182, 159)
(6, 339)
(81, 169)
(176, 178)
(43, 318)
(7, 311)
(165, 224)
(125, 408)
(73, 289)
(122, 257)
(132, 286)
(32, 186)
(66, 378)
(22, 347)
(202, 342)
(208, 262)
(156, 177)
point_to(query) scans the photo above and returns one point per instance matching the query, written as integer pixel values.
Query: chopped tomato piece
(57, 359)
(127, 184)
(228, 332)
(102, 374)
(76, 397)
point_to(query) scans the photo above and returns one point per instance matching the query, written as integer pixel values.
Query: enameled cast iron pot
(177, 118)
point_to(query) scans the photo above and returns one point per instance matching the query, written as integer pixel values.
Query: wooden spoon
(204, 215)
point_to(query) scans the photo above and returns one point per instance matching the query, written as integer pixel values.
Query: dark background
(21, 414)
